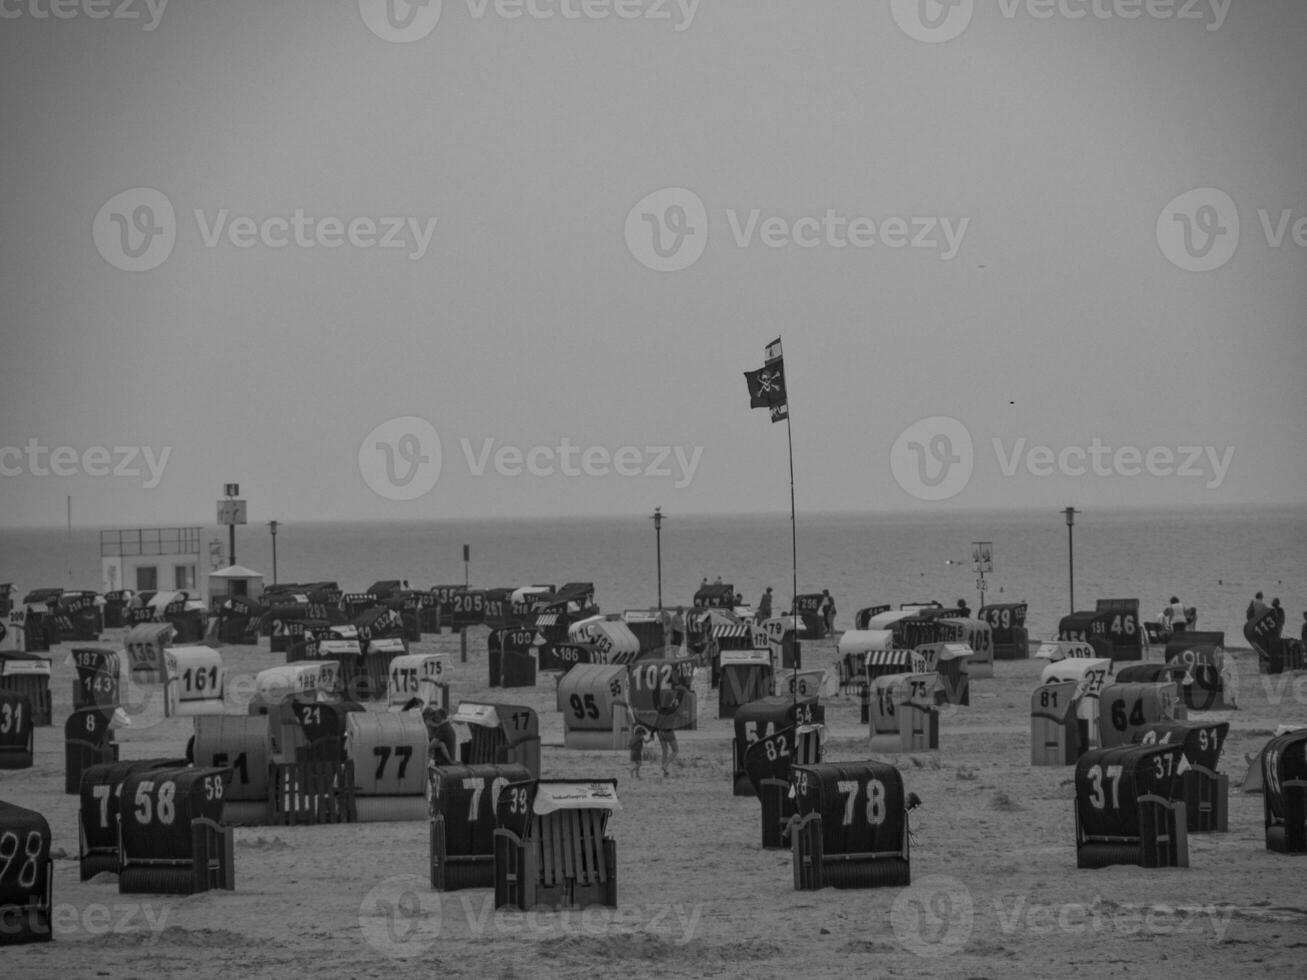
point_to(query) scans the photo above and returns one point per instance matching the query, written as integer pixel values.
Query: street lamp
(658, 544)
(272, 526)
(1071, 513)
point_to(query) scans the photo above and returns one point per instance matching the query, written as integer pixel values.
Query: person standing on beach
(764, 607)
(1175, 616)
(1304, 627)
(1279, 615)
(665, 624)
(669, 704)
(828, 611)
(964, 611)
(1257, 607)
(678, 628)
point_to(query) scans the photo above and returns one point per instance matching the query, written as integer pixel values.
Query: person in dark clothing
(442, 740)
(1279, 614)
(668, 706)
(964, 611)
(764, 607)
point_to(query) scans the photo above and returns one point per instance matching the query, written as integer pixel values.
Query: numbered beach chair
(1127, 708)
(25, 878)
(499, 734)
(1054, 725)
(552, 848)
(389, 753)
(593, 700)
(850, 828)
(1206, 791)
(17, 731)
(100, 802)
(1130, 807)
(463, 806)
(760, 719)
(767, 762)
(1284, 801)
(173, 841)
(88, 741)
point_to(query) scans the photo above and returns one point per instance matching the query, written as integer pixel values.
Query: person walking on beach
(1279, 615)
(669, 704)
(639, 735)
(828, 611)
(1257, 607)
(764, 607)
(1175, 616)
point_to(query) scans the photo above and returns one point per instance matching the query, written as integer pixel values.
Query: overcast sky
(1051, 283)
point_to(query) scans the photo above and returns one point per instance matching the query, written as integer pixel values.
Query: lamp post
(272, 526)
(1071, 513)
(658, 546)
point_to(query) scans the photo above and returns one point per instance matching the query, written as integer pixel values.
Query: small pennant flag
(767, 384)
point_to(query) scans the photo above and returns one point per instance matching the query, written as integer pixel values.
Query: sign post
(231, 512)
(982, 561)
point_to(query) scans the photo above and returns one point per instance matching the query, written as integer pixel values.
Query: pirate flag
(767, 384)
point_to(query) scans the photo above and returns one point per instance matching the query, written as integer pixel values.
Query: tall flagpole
(794, 556)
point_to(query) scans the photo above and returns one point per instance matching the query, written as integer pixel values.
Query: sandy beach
(995, 887)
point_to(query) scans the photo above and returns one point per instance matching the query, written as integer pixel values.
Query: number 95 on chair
(552, 849)
(850, 828)
(1130, 807)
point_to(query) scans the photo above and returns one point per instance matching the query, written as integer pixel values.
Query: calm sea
(1214, 560)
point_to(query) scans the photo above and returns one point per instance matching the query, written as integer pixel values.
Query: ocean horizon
(1213, 558)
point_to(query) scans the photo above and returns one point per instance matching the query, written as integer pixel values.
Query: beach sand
(993, 869)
